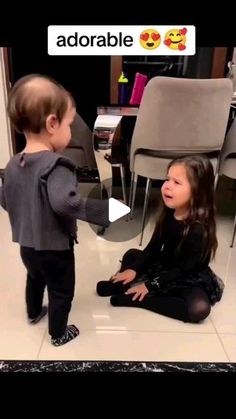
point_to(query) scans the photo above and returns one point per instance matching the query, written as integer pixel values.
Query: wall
(5, 133)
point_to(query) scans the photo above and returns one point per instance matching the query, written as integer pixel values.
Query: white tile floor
(112, 333)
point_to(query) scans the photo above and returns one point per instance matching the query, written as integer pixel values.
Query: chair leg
(103, 191)
(216, 172)
(147, 192)
(122, 175)
(216, 181)
(131, 189)
(134, 188)
(232, 242)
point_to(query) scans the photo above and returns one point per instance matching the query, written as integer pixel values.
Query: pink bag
(138, 88)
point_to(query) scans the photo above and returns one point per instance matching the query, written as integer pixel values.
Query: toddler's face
(62, 134)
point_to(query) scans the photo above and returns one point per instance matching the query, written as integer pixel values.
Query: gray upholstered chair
(177, 117)
(80, 148)
(228, 161)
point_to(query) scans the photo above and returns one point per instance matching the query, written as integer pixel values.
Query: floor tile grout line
(40, 346)
(223, 346)
(148, 331)
(220, 340)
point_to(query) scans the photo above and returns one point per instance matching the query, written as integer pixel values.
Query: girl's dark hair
(33, 98)
(202, 209)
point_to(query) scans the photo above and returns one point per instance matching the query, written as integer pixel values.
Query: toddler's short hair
(33, 98)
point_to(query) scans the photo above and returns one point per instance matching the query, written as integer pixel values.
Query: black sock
(70, 333)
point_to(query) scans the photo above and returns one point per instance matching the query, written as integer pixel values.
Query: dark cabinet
(206, 63)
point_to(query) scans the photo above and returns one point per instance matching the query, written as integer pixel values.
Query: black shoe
(71, 332)
(108, 288)
(36, 319)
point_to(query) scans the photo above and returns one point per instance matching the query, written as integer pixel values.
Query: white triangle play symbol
(117, 210)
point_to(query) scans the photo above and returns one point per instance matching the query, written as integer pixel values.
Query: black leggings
(56, 270)
(188, 304)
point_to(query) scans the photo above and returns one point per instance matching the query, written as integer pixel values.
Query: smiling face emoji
(176, 39)
(150, 39)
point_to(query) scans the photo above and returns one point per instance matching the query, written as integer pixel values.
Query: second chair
(177, 117)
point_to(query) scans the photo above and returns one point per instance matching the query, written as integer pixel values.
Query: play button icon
(121, 228)
(117, 210)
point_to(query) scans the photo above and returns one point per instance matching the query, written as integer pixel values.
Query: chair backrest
(182, 115)
(80, 148)
(228, 153)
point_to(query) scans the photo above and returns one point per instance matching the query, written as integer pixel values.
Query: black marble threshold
(115, 366)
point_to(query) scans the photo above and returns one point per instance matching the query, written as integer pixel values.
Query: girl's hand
(139, 291)
(126, 276)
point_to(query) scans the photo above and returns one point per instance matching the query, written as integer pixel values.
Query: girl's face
(176, 190)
